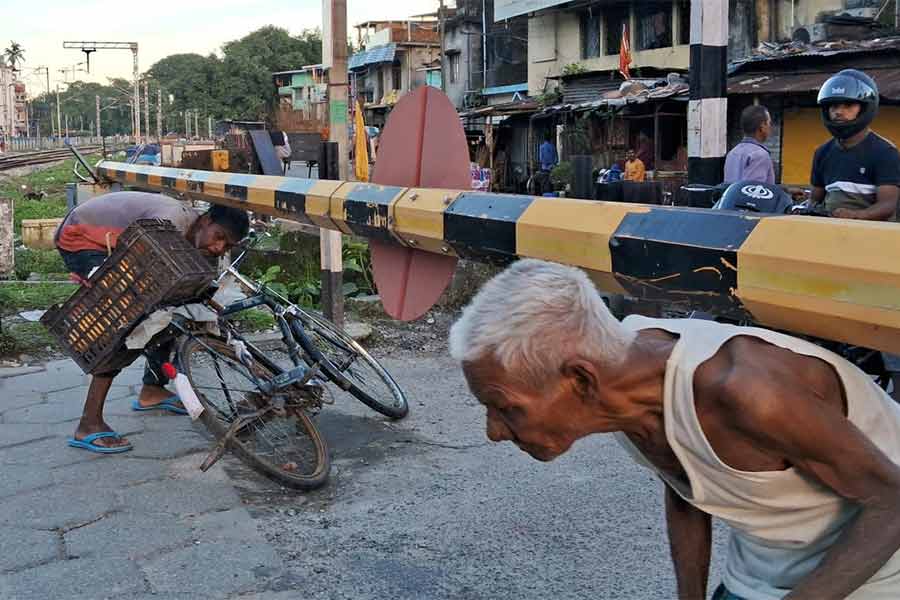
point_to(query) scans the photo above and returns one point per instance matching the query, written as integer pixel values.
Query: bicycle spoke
(284, 440)
(222, 380)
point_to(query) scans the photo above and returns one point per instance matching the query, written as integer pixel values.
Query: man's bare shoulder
(754, 381)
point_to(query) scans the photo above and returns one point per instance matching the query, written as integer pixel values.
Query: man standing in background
(547, 155)
(750, 160)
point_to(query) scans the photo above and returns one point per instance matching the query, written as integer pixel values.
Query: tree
(78, 101)
(15, 54)
(239, 84)
(190, 80)
(248, 63)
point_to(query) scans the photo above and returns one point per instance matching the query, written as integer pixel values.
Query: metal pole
(209, 127)
(330, 241)
(50, 106)
(67, 125)
(58, 118)
(187, 125)
(197, 122)
(147, 109)
(99, 130)
(137, 96)
(483, 44)
(159, 115)
(442, 57)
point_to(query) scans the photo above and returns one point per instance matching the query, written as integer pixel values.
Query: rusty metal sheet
(798, 83)
(423, 145)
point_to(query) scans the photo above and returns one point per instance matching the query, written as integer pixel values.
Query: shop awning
(888, 80)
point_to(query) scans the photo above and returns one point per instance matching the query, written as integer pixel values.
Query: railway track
(25, 159)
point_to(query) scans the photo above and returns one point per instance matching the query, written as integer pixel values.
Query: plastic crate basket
(153, 265)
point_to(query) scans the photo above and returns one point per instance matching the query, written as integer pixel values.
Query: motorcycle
(748, 196)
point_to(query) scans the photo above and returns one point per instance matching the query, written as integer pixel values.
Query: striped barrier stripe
(708, 105)
(830, 278)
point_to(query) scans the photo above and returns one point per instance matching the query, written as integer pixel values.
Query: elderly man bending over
(793, 447)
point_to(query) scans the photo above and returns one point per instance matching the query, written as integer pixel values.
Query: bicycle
(255, 407)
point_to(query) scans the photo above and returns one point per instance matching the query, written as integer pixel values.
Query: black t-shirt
(859, 170)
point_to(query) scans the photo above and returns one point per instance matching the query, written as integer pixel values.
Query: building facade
(396, 57)
(13, 103)
(302, 99)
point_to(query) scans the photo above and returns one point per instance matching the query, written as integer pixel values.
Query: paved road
(424, 508)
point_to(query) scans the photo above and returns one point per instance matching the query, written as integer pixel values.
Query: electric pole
(99, 131)
(88, 47)
(46, 71)
(58, 118)
(197, 122)
(147, 109)
(443, 56)
(159, 115)
(334, 54)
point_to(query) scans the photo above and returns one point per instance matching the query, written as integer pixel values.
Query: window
(616, 19)
(590, 34)
(396, 77)
(454, 68)
(684, 36)
(654, 25)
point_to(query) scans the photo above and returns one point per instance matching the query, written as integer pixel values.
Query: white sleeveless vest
(782, 522)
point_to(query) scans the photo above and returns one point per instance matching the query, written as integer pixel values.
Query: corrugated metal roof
(676, 91)
(888, 81)
(769, 52)
(378, 54)
(576, 91)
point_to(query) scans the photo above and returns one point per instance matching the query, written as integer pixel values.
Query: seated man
(87, 237)
(793, 447)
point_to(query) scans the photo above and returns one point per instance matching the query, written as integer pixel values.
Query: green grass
(44, 262)
(16, 297)
(51, 180)
(254, 320)
(25, 338)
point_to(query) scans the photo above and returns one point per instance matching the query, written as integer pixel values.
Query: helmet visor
(842, 88)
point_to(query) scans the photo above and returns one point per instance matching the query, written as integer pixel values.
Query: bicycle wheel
(282, 443)
(349, 366)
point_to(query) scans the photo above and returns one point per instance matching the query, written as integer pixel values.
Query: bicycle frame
(287, 318)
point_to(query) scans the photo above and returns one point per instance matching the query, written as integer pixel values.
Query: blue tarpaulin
(378, 54)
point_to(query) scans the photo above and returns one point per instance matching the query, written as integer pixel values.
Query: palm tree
(14, 54)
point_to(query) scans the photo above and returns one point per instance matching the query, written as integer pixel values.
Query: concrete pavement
(145, 524)
(424, 508)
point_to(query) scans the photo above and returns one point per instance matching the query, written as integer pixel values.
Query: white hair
(536, 315)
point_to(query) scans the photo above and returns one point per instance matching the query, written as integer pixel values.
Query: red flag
(624, 53)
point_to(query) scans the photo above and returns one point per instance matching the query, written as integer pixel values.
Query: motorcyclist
(857, 173)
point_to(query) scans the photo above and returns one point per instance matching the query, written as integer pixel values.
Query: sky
(160, 27)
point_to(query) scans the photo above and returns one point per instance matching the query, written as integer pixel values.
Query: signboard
(506, 9)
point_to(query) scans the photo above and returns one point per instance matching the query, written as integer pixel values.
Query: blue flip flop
(88, 443)
(167, 404)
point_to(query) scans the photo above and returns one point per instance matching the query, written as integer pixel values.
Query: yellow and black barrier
(831, 278)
